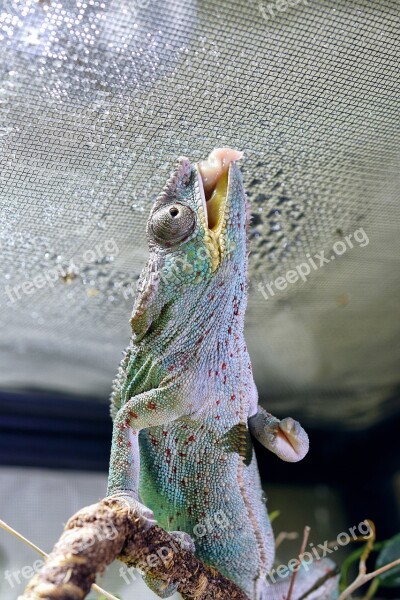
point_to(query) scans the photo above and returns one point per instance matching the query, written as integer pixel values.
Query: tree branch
(102, 532)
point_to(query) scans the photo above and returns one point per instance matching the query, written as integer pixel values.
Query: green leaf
(389, 553)
(274, 515)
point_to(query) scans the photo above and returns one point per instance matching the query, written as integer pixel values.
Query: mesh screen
(98, 99)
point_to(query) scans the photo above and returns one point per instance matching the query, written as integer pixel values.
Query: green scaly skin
(184, 398)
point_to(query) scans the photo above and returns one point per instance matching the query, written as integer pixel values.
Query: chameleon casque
(184, 399)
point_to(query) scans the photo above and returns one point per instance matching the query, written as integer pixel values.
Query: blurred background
(97, 101)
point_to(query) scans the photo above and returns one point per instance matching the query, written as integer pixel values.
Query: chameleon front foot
(287, 439)
(136, 509)
(159, 586)
(184, 540)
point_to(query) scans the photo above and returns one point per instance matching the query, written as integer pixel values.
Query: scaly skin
(184, 398)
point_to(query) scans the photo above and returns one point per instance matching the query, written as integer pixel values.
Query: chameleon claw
(136, 509)
(161, 588)
(184, 540)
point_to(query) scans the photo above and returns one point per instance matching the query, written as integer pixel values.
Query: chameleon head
(196, 230)
(200, 218)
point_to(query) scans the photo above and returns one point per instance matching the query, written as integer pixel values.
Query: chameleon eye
(172, 224)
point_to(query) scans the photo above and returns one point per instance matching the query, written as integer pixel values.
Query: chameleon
(184, 402)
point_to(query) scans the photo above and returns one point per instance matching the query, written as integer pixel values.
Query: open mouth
(214, 172)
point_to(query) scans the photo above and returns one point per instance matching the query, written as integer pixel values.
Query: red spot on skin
(129, 444)
(201, 338)
(216, 372)
(224, 380)
(191, 438)
(233, 397)
(152, 405)
(217, 417)
(132, 414)
(165, 433)
(217, 402)
(171, 368)
(229, 330)
(223, 366)
(199, 475)
(182, 454)
(237, 413)
(174, 469)
(218, 345)
(154, 442)
(168, 451)
(209, 372)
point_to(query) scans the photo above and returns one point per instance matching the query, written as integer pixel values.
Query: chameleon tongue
(215, 166)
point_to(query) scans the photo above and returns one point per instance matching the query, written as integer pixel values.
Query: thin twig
(363, 578)
(368, 549)
(372, 589)
(18, 535)
(306, 535)
(285, 535)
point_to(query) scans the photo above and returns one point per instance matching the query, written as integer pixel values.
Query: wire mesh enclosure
(97, 101)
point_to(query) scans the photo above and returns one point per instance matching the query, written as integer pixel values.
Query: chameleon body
(184, 399)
